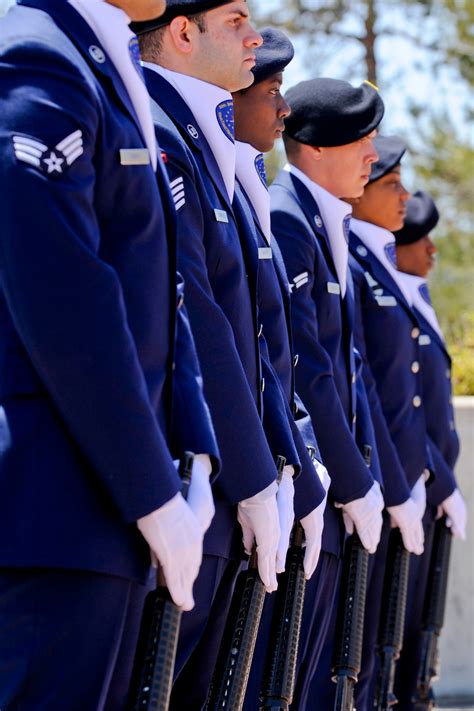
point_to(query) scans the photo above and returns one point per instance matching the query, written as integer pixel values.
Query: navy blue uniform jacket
(87, 309)
(275, 317)
(322, 330)
(439, 412)
(387, 337)
(221, 287)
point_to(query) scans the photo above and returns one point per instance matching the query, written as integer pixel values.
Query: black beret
(175, 8)
(390, 150)
(331, 112)
(422, 216)
(273, 55)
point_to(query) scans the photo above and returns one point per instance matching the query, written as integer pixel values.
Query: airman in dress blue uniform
(415, 258)
(92, 409)
(217, 253)
(387, 336)
(328, 141)
(259, 115)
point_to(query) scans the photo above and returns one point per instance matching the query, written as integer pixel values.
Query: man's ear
(182, 32)
(316, 152)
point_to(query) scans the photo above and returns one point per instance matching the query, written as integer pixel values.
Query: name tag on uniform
(264, 252)
(424, 340)
(333, 287)
(386, 300)
(134, 156)
(220, 215)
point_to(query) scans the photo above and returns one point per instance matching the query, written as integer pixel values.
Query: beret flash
(422, 216)
(273, 55)
(176, 8)
(331, 112)
(391, 150)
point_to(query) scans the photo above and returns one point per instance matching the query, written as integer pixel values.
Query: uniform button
(260, 330)
(262, 384)
(362, 251)
(415, 366)
(451, 425)
(353, 378)
(354, 419)
(416, 401)
(296, 359)
(173, 366)
(415, 332)
(448, 373)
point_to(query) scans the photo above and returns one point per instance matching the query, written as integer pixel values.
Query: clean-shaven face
(384, 201)
(225, 51)
(260, 113)
(346, 168)
(417, 258)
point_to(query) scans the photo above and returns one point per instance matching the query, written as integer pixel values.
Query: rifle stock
(231, 673)
(350, 623)
(280, 664)
(433, 615)
(153, 668)
(392, 619)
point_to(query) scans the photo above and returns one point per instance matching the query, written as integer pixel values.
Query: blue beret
(273, 55)
(422, 216)
(176, 8)
(331, 112)
(390, 150)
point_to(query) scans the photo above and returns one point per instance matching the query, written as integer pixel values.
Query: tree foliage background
(421, 55)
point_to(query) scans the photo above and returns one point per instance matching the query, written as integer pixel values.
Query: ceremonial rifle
(350, 623)
(231, 673)
(153, 668)
(433, 616)
(279, 675)
(392, 618)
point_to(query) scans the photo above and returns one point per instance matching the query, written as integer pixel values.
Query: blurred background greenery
(420, 53)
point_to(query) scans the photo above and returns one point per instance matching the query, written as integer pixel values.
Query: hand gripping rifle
(279, 674)
(280, 665)
(433, 615)
(350, 623)
(231, 673)
(153, 668)
(392, 618)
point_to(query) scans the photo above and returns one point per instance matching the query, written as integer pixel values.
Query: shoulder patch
(52, 161)
(225, 118)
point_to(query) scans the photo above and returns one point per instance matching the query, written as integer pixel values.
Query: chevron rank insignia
(52, 161)
(177, 191)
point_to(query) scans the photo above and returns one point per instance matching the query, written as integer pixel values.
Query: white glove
(418, 494)
(366, 515)
(455, 509)
(407, 517)
(323, 475)
(200, 498)
(258, 517)
(286, 514)
(175, 539)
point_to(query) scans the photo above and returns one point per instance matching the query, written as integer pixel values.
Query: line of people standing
(156, 298)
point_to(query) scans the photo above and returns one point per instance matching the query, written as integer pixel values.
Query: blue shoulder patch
(391, 253)
(260, 168)
(425, 294)
(346, 225)
(225, 118)
(134, 51)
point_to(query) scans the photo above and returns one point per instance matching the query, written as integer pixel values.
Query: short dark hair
(292, 147)
(151, 43)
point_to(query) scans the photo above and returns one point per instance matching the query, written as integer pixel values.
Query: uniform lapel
(180, 114)
(434, 335)
(76, 28)
(365, 257)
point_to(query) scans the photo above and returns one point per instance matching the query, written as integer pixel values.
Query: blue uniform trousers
(408, 664)
(201, 631)
(61, 633)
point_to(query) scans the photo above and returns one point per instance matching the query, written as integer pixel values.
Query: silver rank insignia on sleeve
(177, 191)
(51, 161)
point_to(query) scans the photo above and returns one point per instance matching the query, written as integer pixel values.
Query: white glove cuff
(261, 496)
